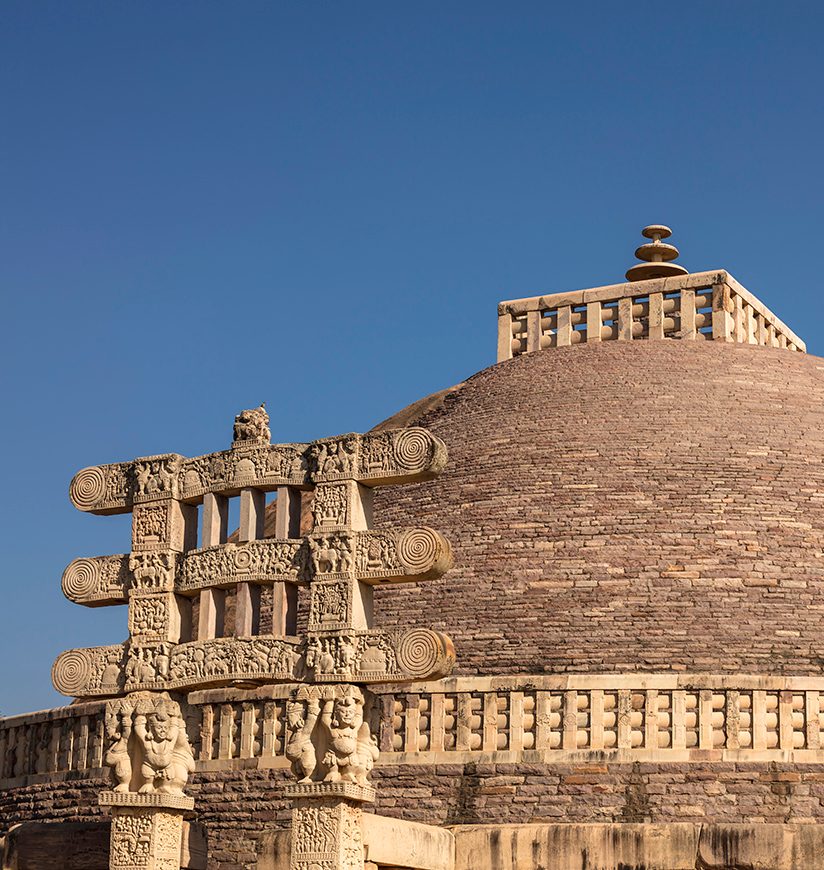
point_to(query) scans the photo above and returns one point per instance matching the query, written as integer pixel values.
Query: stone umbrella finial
(656, 256)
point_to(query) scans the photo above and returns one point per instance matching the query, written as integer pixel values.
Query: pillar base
(327, 825)
(146, 829)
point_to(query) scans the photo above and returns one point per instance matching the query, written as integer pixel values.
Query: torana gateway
(564, 615)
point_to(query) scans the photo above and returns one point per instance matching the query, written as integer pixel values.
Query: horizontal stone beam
(398, 843)
(390, 555)
(382, 458)
(363, 656)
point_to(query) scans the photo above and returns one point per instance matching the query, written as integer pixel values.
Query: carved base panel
(326, 835)
(146, 830)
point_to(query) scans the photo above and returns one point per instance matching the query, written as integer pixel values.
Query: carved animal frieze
(264, 561)
(252, 425)
(155, 477)
(383, 458)
(154, 571)
(363, 655)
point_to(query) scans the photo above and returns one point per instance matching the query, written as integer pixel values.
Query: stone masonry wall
(629, 506)
(236, 807)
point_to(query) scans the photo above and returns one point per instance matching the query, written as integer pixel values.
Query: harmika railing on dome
(661, 301)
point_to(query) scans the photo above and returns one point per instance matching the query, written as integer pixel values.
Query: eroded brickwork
(637, 506)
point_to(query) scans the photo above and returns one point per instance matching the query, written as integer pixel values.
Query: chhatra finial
(656, 256)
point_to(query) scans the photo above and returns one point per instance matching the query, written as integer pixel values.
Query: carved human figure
(118, 725)
(300, 749)
(166, 758)
(352, 751)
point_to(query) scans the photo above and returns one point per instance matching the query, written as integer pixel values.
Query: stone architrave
(341, 560)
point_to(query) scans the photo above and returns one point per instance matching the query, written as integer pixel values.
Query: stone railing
(702, 305)
(676, 718)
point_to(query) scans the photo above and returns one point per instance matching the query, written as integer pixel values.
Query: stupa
(582, 624)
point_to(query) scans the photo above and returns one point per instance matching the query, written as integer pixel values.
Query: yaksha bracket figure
(148, 749)
(330, 741)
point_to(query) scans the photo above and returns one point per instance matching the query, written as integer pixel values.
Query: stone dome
(626, 506)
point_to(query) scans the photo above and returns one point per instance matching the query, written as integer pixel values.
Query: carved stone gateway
(181, 554)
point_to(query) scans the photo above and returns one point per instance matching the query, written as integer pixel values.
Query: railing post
(625, 319)
(721, 318)
(687, 314)
(564, 332)
(656, 315)
(504, 335)
(594, 321)
(533, 331)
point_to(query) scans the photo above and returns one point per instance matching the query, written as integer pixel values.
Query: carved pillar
(332, 751)
(150, 758)
(147, 829)
(326, 826)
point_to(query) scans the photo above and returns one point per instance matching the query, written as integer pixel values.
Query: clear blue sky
(206, 205)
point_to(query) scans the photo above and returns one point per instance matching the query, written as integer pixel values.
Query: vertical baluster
(207, 732)
(564, 330)
(705, 740)
(412, 734)
(721, 317)
(516, 721)
(656, 316)
(436, 722)
(679, 719)
(625, 319)
(226, 734)
(247, 730)
(570, 720)
(759, 719)
(738, 319)
(269, 726)
(504, 335)
(490, 738)
(542, 714)
(596, 720)
(463, 735)
(812, 719)
(624, 737)
(651, 719)
(594, 321)
(732, 719)
(387, 728)
(82, 754)
(533, 331)
(761, 329)
(688, 329)
(785, 720)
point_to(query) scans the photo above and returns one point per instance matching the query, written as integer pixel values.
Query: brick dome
(626, 506)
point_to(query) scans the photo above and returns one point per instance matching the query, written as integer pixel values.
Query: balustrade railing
(698, 306)
(542, 718)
